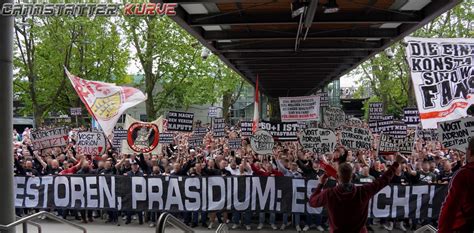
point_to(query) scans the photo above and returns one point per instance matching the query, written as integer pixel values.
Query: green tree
(389, 78)
(89, 48)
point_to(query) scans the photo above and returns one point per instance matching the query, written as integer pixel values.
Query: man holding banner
(457, 213)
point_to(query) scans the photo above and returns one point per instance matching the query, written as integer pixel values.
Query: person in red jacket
(457, 212)
(348, 204)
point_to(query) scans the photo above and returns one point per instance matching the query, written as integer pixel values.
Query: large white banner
(442, 71)
(301, 108)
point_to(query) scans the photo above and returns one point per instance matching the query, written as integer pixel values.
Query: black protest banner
(411, 117)
(235, 144)
(246, 128)
(214, 193)
(42, 139)
(334, 117)
(456, 134)
(373, 126)
(375, 111)
(218, 127)
(166, 138)
(442, 72)
(90, 143)
(426, 134)
(180, 121)
(405, 145)
(200, 132)
(387, 144)
(386, 124)
(318, 140)
(281, 131)
(195, 141)
(356, 138)
(323, 99)
(119, 136)
(399, 130)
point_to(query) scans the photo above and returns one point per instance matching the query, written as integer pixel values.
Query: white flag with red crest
(106, 102)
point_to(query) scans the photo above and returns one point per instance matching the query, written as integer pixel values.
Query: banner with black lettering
(42, 139)
(281, 131)
(90, 143)
(299, 108)
(356, 138)
(318, 140)
(411, 117)
(215, 193)
(334, 117)
(442, 71)
(456, 134)
(180, 121)
(218, 127)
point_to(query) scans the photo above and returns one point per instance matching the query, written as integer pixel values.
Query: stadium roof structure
(298, 46)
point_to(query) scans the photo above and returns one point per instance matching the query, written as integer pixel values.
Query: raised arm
(319, 197)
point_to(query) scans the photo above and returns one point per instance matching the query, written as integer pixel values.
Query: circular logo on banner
(262, 142)
(143, 137)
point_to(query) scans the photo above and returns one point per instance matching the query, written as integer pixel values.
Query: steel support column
(7, 207)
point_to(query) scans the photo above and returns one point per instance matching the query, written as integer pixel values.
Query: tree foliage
(89, 48)
(389, 77)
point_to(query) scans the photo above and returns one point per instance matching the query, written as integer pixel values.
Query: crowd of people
(428, 164)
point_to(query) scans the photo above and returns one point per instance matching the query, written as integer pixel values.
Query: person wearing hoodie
(457, 212)
(289, 170)
(348, 204)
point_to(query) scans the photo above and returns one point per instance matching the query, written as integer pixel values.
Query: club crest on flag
(107, 107)
(105, 102)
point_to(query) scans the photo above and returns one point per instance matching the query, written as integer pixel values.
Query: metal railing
(168, 218)
(25, 225)
(24, 221)
(426, 228)
(223, 228)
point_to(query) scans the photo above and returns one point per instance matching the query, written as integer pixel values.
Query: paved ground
(49, 226)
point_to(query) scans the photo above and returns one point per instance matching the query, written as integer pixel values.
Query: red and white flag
(106, 102)
(256, 110)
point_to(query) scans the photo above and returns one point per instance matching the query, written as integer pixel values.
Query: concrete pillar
(7, 207)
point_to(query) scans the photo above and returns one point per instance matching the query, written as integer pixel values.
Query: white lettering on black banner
(180, 121)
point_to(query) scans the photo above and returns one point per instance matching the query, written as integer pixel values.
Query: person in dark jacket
(86, 170)
(134, 172)
(346, 196)
(457, 212)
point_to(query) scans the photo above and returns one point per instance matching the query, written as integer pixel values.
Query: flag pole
(7, 203)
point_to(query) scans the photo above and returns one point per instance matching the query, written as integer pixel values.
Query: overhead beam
(295, 66)
(297, 61)
(287, 46)
(293, 55)
(286, 19)
(349, 34)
